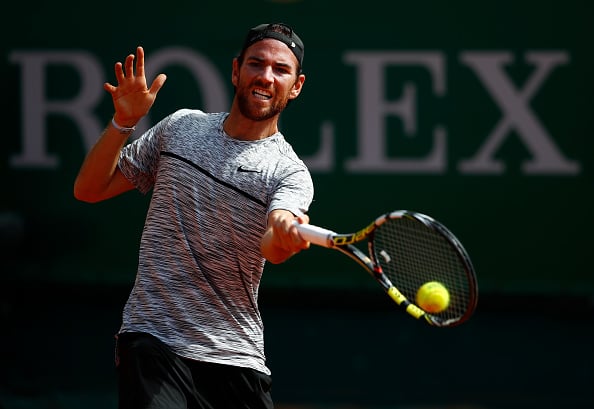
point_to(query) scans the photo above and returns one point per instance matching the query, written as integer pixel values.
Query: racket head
(411, 249)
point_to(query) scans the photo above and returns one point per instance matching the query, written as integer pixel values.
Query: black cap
(278, 31)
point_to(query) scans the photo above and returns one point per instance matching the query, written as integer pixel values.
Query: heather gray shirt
(200, 264)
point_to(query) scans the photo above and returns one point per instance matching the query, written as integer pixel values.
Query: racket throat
(404, 303)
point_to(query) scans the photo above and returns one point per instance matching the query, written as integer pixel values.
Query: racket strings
(411, 254)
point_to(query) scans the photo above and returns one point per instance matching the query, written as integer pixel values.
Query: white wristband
(122, 129)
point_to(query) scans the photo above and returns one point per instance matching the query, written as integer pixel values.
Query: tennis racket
(407, 249)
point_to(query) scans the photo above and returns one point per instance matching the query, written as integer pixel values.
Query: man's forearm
(97, 171)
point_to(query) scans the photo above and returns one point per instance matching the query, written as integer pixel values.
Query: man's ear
(235, 72)
(297, 87)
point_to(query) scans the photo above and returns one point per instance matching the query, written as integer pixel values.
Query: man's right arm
(99, 177)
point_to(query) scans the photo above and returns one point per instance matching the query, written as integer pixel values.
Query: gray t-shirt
(200, 264)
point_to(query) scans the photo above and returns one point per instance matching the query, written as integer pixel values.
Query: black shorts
(151, 376)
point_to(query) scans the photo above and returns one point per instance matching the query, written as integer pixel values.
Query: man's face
(266, 80)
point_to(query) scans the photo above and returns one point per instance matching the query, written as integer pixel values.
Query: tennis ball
(433, 297)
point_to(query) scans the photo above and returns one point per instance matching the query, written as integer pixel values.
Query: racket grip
(314, 234)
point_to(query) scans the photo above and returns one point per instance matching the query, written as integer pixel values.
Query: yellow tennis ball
(433, 297)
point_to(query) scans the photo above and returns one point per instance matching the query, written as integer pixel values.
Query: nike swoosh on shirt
(243, 168)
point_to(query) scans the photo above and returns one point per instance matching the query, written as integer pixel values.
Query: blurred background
(478, 114)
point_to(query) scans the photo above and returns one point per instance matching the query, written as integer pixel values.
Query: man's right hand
(131, 98)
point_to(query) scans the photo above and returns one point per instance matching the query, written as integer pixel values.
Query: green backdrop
(479, 114)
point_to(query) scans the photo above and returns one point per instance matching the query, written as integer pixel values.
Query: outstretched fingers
(157, 84)
(119, 73)
(131, 97)
(126, 70)
(129, 66)
(140, 61)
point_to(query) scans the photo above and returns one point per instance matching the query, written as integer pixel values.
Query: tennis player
(225, 190)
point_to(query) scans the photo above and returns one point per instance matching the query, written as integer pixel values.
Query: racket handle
(316, 235)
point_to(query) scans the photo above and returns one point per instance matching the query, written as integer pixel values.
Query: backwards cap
(278, 31)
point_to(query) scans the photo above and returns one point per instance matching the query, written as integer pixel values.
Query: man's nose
(267, 74)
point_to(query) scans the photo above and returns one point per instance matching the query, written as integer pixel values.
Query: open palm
(131, 98)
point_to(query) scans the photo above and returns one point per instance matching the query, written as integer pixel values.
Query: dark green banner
(478, 114)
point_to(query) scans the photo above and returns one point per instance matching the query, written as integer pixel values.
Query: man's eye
(282, 70)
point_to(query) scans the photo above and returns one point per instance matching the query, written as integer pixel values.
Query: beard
(248, 110)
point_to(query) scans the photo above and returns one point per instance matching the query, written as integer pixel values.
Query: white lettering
(35, 107)
(547, 158)
(372, 110)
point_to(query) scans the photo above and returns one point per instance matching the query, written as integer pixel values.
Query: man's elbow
(84, 195)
